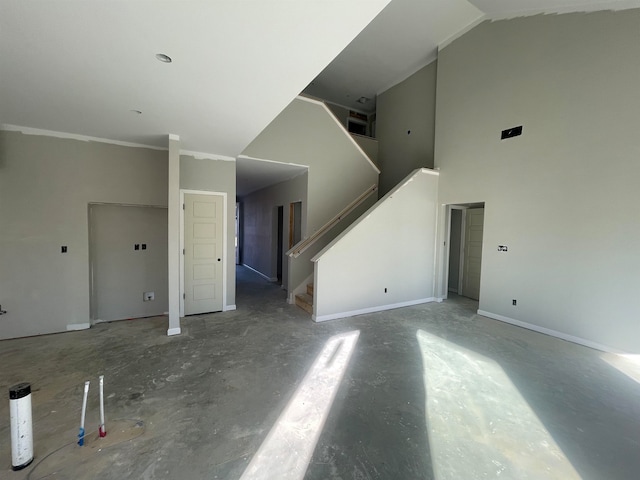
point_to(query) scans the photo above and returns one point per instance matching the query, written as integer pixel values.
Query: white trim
(310, 100)
(229, 308)
(173, 136)
(78, 326)
(247, 157)
(548, 331)
(74, 136)
(173, 331)
(184, 191)
(429, 171)
(343, 128)
(207, 156)
(270, 279)
(381, 308)
(462, 31)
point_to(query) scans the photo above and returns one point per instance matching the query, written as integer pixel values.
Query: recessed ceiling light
(137, 112)
(163, 58)
(363, 100)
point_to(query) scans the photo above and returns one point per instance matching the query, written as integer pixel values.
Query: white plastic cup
(21, 426)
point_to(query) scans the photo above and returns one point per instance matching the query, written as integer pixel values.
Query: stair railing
(303, 245)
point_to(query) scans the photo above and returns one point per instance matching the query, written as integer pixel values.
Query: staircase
(305, 300)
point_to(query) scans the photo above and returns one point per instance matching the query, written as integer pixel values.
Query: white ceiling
(81, 66)
(406, 36)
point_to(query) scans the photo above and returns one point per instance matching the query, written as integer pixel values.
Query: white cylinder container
(21, 426)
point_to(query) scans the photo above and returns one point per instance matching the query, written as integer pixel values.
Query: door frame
(445, 239)
(446, 248)
(91, 238)
(463, 224)
(224, 244)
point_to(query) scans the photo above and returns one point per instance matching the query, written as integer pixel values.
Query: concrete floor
(432, 391)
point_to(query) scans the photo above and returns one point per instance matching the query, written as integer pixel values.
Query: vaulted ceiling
(407, 34)
(89, 67)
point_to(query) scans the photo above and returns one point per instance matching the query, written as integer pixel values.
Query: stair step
(310, 289)
(305, 302)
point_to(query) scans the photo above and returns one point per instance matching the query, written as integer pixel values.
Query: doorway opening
(295, 223)
(238, 233)
(279, 243)
(464, 253)
(128, 270)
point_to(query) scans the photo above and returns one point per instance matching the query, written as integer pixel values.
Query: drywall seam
(380, 308)
(74, 136)
(548, 331)
(430, 59)
(206, 156)
(461, 32)
(78, 326)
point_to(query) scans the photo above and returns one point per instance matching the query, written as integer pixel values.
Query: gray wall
(369, 146)
(260, 224)
(305, 134)
(46, 185)
(407, 106)
(216, 176)
(385, 259)
(340, 112)
(562, 196)
(120, 274)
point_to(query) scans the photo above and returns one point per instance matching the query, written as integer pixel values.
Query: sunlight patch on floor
(629, 364)
(286, 451)
(479, 424)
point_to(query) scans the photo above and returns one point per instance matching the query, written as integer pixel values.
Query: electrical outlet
(514, 302)
(149, 296)
(511, 132)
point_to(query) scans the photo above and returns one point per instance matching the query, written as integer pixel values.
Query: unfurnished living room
(324, 239)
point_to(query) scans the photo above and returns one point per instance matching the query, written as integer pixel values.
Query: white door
(203, 251)
(473, 253)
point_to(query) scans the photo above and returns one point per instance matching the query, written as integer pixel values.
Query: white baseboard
(270, 279)
(548, 331)
(229, 308)
(173, 331)
(380, 308)
(291, 299)
(78, 326)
